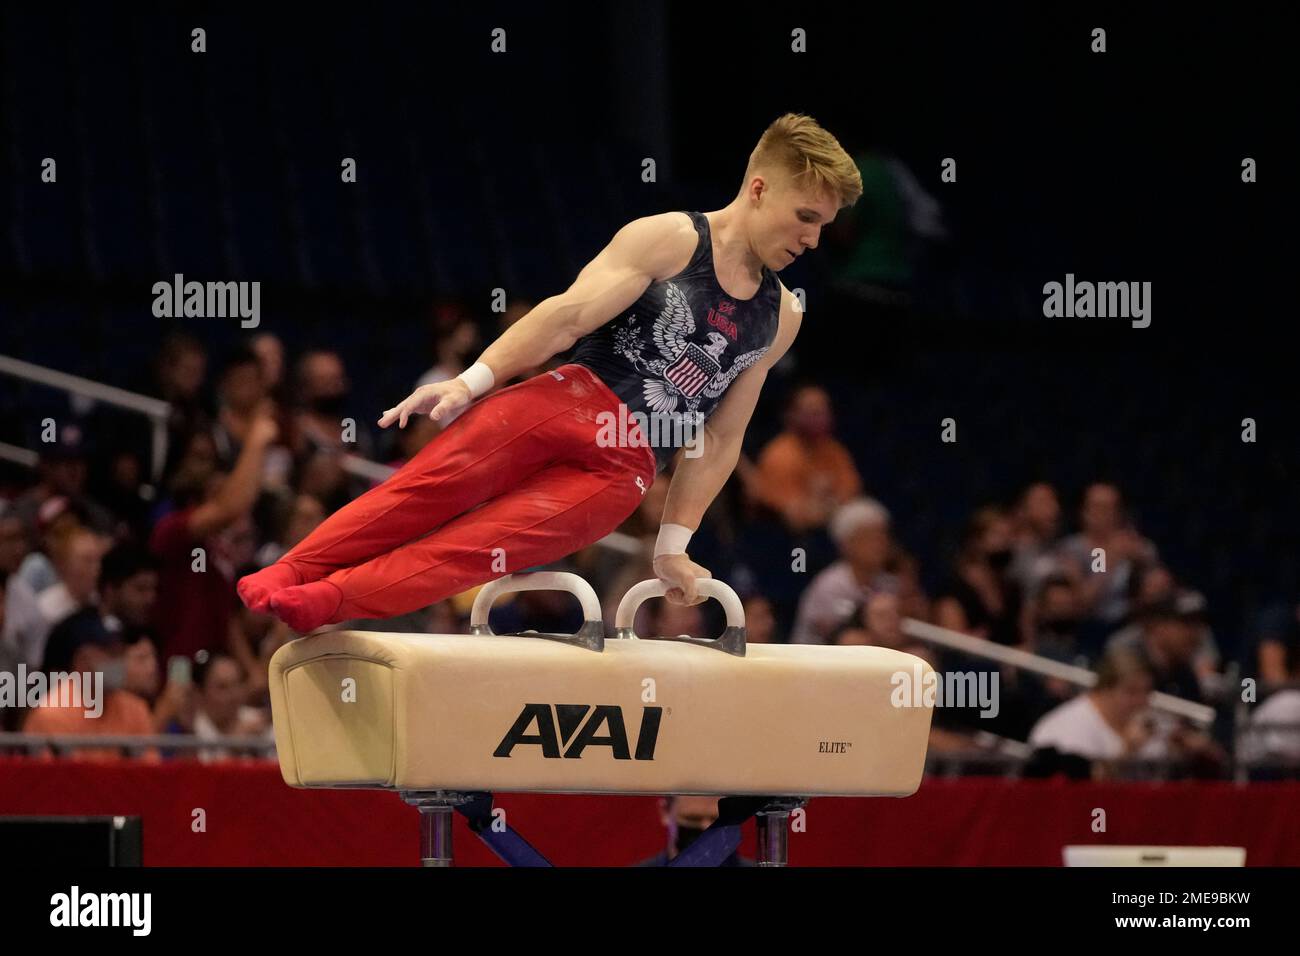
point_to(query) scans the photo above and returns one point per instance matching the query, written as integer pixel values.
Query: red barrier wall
(254, 819)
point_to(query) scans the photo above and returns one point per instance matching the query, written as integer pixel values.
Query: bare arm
(641, 252)
(241, 487)
(647, 249)
(697, 481)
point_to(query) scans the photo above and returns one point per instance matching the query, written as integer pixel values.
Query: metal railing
(156, 410)
(977, 647)
(159, 412)
(19, 456)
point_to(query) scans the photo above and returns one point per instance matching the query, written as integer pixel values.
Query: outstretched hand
(436, 400)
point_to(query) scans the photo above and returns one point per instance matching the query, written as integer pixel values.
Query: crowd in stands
(105, 569)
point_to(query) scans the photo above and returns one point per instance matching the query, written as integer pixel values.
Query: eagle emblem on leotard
(684, 371)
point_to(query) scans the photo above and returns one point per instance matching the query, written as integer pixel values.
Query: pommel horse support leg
(446, 720)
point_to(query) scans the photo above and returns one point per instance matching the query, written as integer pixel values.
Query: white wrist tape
(478, 378)
(673, 539)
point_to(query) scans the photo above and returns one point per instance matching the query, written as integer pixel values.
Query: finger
(436, 412)
(386, 419)
(405, 412)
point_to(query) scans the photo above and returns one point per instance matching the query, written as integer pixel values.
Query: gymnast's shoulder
(660, 245)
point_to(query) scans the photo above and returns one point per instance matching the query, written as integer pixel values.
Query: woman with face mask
(983, 599)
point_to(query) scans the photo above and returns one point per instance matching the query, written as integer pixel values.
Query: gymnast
(677, 320)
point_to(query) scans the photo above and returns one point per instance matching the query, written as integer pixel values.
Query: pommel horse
(445, 720)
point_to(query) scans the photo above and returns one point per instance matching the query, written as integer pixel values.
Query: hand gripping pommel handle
(732, 640)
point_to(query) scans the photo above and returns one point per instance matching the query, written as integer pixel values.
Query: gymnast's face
(787, 220)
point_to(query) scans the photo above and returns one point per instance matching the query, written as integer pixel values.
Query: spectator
(82, 645)
(220, 707)
(1152, 585)
(195, 600)
(144, 679)
(128, 589)
(804, 473)
(122, 489)
(983, 600)
(1274, 730)
(180, 369)
(1037, 522)
(320, 435)
(860, 530)
(877, 623)
(54, 522)
(270, 355)
(884, 623)
(1169, 641)
(1056, 621)
(254, 638)
(61, 474)
(243, 398)
(685, 818)
(912, 599)
(197, 463)
(324, 394)
(141, 675)
(1055, 634)
(322, 477)
(1106, 526)
(76, 557)
(22, 635)
(1108, 721)
(295, 518)
(1278, 631)
(1149, 585)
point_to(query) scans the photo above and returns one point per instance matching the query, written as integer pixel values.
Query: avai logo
(575, 727)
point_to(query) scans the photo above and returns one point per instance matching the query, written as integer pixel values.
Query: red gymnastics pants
(517, 480)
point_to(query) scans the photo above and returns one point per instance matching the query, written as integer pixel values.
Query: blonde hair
(798, 146)
(1117, 665)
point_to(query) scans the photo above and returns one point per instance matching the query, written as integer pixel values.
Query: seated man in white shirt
(1275, 726)
(1274, 731)
(1110, 720)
